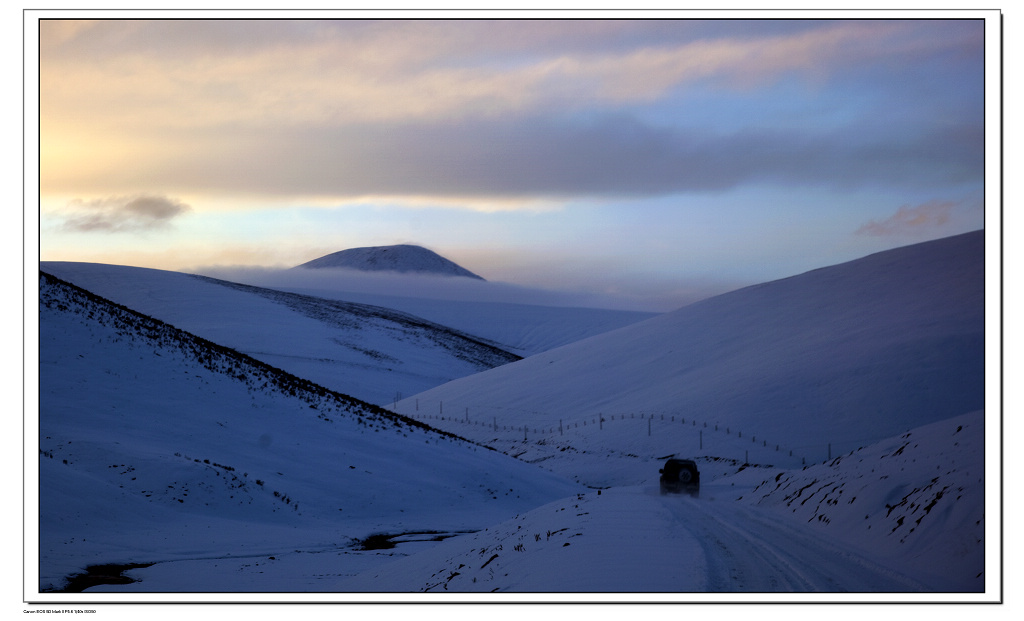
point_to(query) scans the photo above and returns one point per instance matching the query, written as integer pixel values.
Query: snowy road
(750, 550)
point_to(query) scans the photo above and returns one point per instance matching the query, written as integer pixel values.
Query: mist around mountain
(838, 419)
(402, 258)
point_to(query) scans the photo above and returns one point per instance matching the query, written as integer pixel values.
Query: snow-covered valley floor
(751, 531)
(622, 540)
(632, 539)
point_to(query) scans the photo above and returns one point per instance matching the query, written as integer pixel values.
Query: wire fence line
(462, 415)
(471, 415)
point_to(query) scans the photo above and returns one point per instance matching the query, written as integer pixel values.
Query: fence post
(701, 439)
(440, 407)
(648, 427)
(560, 427)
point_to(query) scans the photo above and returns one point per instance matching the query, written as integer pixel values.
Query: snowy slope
(916, 501)
(402, 258)
(369, 352)
(158, 446)
(523, 329)
(784, 373)
(520, 319)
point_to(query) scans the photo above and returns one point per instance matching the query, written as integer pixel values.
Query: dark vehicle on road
(680, 476)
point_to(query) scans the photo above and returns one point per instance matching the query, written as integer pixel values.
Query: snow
(921, 497)
(836, 418)
(368, 352)
(369, 346)
(631, 539)
(521, 320)
(175, 456)
(824, 362)
(401, 258)
(524, 329)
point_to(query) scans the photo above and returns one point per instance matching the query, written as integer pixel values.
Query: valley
(238, 473)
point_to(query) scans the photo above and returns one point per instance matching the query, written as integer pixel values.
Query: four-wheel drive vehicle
(680, 476)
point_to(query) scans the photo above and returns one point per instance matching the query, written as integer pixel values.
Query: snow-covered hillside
(784, 373)
(369, 352)
(520, 319)
(915, 501)
(523, 329)
(837, 419)
(403, 258)
(158, 446)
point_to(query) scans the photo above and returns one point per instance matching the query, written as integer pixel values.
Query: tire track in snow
(749, 551)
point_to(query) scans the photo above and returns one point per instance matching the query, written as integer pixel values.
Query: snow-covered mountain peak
(404, 258)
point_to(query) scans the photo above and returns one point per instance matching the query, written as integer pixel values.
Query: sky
(652, 161)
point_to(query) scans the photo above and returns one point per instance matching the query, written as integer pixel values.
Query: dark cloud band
(614, 156)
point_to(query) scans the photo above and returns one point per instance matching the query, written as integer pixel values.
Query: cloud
(203, 73)
(911, 220)
(611, 156)
(122, 213)
(503, 110)
(538, 158)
